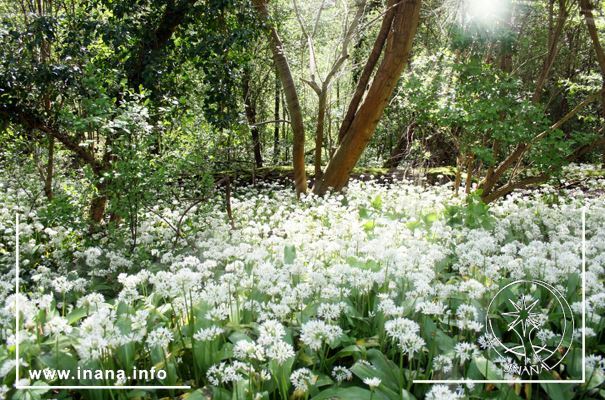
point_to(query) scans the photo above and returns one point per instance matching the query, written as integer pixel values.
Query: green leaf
(76, 315)
(289, 254)
(377, 203)
(556, 391)
(347, 393)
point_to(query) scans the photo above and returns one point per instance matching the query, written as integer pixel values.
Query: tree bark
(361, 129)
(366, 74)
(250, 111)
(403, 145)
(319, 131)
(458, 179)
(553, 49)
(276, 116)
(48, 177)
(296, 119)
(98, 204)
(470, 159)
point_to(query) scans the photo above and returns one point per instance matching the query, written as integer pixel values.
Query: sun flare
(485, 11)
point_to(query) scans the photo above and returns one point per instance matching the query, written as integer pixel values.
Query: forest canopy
(505, 92)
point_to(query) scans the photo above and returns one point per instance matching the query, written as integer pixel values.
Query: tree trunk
(296, 119)
(355, 139)
(250, 110)
(98, 205)
(48, 178)
(403, 145)
(586, 11)
(366, 74)
(470, 159)
(276, 117)
(319, 131)
(553, 48)
(458, 179)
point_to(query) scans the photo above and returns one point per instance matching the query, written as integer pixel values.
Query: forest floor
(351, 296)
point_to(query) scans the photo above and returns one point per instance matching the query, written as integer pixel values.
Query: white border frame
(513, 381)
(55, 387)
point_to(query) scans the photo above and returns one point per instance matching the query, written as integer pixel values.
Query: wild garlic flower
(270, 331)
(441, 392)
(442, 363)
(222, 374)
(341, 374)
(247, 350)
(595, 362)
(56, 326)
(466, 351)
(302, 379)
(208, 334)
(373, 383)
(280, 351)
(315, 333)
(160, 337)
(467, 317)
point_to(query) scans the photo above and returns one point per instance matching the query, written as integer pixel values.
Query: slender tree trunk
(48, 178)
(296, 119)
(250, 110)
(366, 74)
(402, 146)
(98, 204)
(470, 159)
(285, 129)
(586, 11)
(398, 44)
(46, 7)
(319, 131)
(553, 48)
(458, 179)
(276, 117)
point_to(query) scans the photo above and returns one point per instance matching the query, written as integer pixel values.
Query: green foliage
(474, 213)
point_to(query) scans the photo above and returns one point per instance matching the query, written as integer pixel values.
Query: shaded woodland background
(140, 96)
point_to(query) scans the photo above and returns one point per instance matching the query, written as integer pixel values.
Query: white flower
(595, 362)
(442, 363)
(404, 332)
(93, 255)
(222, 374)
(467, 318)
(92, 347)
(315, 333)
(466, 351)
(160, 337)
(56, 326)
(247, 350)
(280, 351)
(330, 311)
(373, 383)
(341, 374)
(208, 334)
(302, 378)
(92, 300)
(270, 331)
(487, 341)
(62, 285)
(441, 392)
